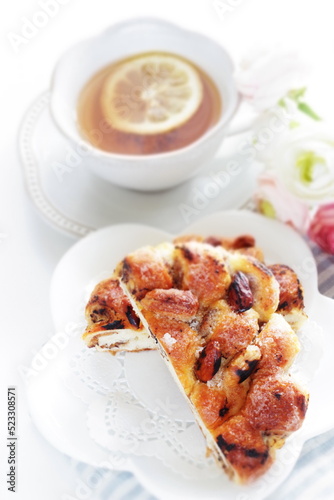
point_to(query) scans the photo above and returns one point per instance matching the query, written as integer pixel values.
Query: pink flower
(321, 230)
(276, 201)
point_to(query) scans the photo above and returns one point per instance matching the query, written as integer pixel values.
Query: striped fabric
(311, 479)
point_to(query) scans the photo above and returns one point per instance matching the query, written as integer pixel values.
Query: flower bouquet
(294, 145)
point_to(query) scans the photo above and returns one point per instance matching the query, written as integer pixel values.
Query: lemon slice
(151, 94)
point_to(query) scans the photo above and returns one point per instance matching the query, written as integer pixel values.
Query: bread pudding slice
(212, 313)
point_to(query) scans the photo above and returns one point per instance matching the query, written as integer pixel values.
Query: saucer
(69, 197)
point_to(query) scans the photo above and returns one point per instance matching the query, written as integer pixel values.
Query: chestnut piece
(239, 295)
(208, 362)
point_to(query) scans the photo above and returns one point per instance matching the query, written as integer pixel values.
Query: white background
(29, 249)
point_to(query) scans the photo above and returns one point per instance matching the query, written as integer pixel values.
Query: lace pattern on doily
(126, 426)
(134, 408)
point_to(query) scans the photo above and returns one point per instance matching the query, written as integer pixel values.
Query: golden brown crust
(291, 291)
(179, 341)
(231, 331)
(245, 243)
(216, 403)
(275, 405)
(109, 294)
(279, 345)
(262, 282)
(244, 448)
(144, 271)
(109, 309)
(202, 273)
(180, 304)
(211, 404)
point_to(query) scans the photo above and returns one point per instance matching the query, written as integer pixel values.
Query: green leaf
(294, 124)
(282, 103)
(305, 108)
(306, 162)
(296, 94)
(266, 208)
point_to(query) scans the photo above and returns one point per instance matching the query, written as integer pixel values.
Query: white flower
(274, 127)
(303, 159)
(267, 76)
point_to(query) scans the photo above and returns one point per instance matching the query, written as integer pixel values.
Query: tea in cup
(149, 101)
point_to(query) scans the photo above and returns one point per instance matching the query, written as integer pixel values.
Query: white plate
(78, 202)
(61, 417)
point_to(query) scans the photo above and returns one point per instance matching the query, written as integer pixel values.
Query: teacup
(142, 172)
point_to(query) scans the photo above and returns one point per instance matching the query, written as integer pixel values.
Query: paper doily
(134, 407)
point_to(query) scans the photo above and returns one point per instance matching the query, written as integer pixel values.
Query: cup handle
(243, 119)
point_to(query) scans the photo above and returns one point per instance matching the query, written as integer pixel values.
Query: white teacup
(81, 62)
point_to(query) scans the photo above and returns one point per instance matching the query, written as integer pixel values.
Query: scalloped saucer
(76, 202)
